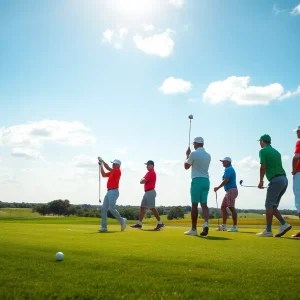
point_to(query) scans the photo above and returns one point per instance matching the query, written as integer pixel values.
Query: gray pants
(276, 189)
(149, 199)
(109, 203)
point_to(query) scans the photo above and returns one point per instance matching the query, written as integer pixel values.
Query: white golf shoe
(283, 229)
(191, 232)
(233, 229)
(102, 229)
(123, 224)
(221, 228)
(265, 234)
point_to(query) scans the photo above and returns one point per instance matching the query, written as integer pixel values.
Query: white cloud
(177, 3)
(26, 153)
(115, 38)
(276, 10)
(166, 167)
(108, 35)
(296, 11)
(86, 162)
(149, 27)
(173, 85)
(167, 163)
(247, 163)
(237, 89)
(121, 150)
(289, 94)
(129, 166)
(285, 158)
(193, 100)
(36, 133)
(187, 27)
(160, 44)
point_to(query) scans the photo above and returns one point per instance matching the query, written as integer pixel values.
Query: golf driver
(100, 162)
(217, 209)
(191, 118)
(241, 183)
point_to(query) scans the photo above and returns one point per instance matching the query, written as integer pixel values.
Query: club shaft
(190, 133)
(252, 186)
(217, 208)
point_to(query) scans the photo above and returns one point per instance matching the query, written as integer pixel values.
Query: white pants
(296, 188)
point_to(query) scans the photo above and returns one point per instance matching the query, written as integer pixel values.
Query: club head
(191, 117)
(241, 182)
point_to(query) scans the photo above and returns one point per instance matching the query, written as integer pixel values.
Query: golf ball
(59, 256)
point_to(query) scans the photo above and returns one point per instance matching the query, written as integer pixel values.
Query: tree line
(65, 208)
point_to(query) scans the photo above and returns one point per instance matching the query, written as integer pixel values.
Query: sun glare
(135, 7)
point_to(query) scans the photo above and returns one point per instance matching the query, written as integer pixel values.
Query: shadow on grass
(248, 232)
(97, 232)
(215, 238)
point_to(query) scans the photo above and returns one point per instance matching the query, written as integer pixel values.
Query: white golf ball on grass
(59, 256)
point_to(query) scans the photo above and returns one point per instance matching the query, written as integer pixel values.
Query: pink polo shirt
(151, 180)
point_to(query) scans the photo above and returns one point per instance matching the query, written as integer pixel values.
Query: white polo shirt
(200, 161)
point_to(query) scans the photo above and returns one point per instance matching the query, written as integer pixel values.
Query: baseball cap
(226, 159)
(150, 162)
(199, 140)
(117, 162)
(298, 128)
(265, 137)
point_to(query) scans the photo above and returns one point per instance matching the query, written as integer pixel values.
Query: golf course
(142, 264)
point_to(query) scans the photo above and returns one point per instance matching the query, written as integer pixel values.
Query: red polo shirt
(297, 151)
(113, 179)
(151, 180)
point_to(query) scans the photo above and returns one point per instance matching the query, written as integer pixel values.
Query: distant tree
(176, 212)
(161, 210)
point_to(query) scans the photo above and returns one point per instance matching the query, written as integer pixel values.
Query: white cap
(117, 162)
(226, 159)
(199, 140)
(298, 128)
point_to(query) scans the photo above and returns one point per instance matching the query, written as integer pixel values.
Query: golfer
(199, 160)
(229, 184)
(149, 182)
(296, 175)
(112, 194)
(271, 166)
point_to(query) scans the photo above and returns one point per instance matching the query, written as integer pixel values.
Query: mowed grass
(18, 213)
(143, 264)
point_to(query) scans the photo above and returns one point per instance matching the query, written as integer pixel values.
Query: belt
(277, 176)
(112, 189)
(149, 190)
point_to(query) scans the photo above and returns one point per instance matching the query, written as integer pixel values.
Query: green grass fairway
(137, 264)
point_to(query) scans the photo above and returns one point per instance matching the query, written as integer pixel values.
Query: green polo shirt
(271, 158)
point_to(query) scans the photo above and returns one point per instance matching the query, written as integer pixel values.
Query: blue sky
(79, 79)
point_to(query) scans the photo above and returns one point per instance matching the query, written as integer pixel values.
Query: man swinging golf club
(296, 176)
(148, 201)
(271, 166)
(229, 184)
(199, 160)
(112, 194)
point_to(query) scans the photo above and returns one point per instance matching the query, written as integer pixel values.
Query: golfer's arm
(107, 167)
(103, 172)
(295, 162)
(187, 165)
(143, 181)
(224, 182)
(262, 172)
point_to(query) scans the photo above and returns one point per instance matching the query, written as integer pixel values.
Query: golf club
(241, 183)
(217, 209)
(100, 162)
(191, 118)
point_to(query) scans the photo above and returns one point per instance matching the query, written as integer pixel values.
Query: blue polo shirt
(230, 173)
